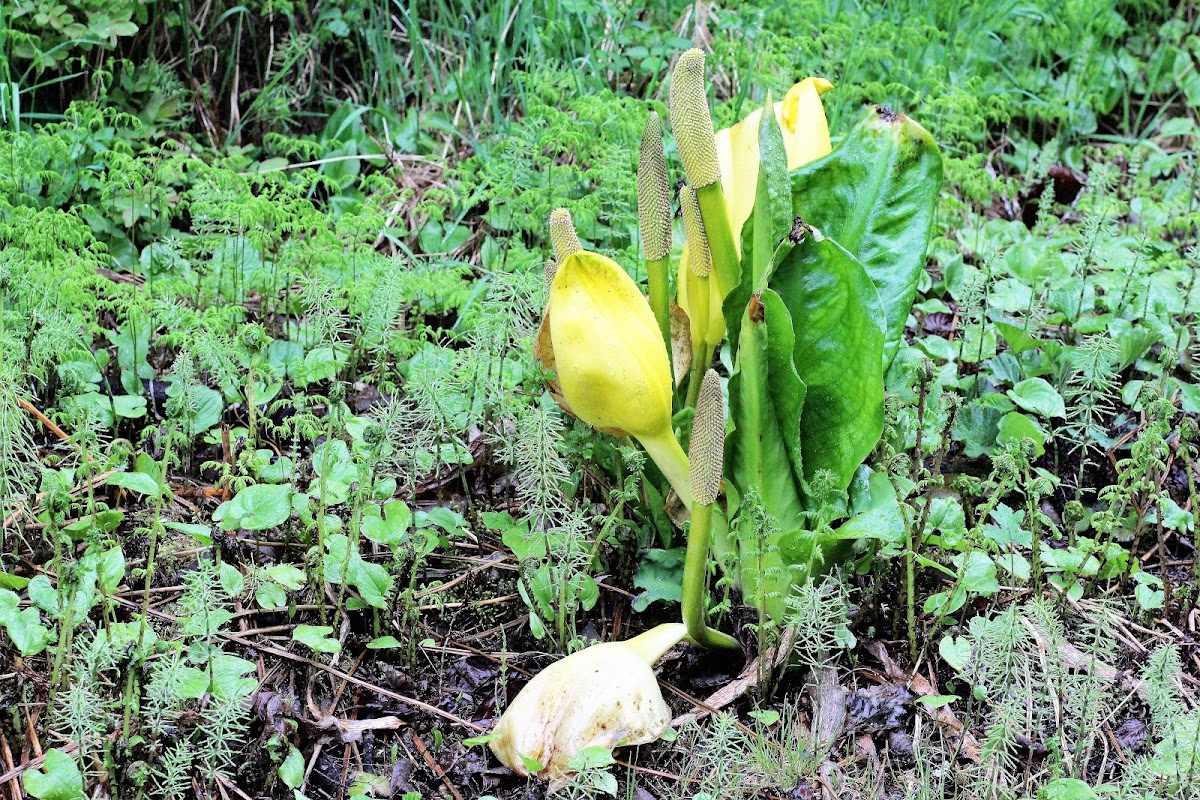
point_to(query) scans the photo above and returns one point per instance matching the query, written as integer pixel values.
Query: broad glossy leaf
(838, 354)
(881, 519)
(206, 411)
(343, 565)
(256, 508)
(1037, 396)
(1015, 426)
(1067, 789)
(291, 771)
(27, 632)
(876, 194)
(227, 673)
(270, 596)
(58, 779)
(317, 637)
(287, 576)
(660, 577)
(389, 525)
(135, 482)
(762, 454)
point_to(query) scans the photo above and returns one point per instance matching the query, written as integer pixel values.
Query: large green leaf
(838, 354)
(58, 779)
(766, 398)
(762, 453)
(876, 196)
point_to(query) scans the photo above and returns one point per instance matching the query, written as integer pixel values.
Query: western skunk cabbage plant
(802, 261)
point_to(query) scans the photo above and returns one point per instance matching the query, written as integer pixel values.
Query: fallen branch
(42, 418)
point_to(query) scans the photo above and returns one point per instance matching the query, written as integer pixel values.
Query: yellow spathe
(608, 350)
(801, 118)
(611, 359)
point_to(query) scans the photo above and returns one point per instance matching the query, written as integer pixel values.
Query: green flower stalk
(705, 458)
(654, 220)
(698, 293)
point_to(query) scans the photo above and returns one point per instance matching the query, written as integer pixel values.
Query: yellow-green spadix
(601, 696)
(801, 118)
(611, 360)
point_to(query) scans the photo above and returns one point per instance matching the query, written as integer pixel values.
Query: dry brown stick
(224, 781)
(464, 604)
(357, 681)
(655, 772)
(748, 678)
(435, 766)
(90, 484)
(14, 790)
(42, 418)
(337, 696)
(489, 561)
(699, 704)
(221, 789)
(243, 626)
(31, 732)
(331, 670)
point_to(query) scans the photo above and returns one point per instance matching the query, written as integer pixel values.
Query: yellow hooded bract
(801, 118)
(602, 696)
(611, 359)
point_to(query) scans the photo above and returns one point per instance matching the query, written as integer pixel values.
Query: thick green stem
(695, 583)
(715, 214)
(701, 354)
(665, 451)
(660, 298)
(910, 557)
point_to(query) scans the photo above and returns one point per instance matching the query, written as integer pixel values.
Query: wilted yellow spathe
(805, 130)
(598, 697)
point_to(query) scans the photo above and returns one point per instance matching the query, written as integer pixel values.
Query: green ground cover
(287, 508)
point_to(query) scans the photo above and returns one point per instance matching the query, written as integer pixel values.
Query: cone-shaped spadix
(563, 238)
(706, 457)
(707, 451)
(691, 120)
(654, 193)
